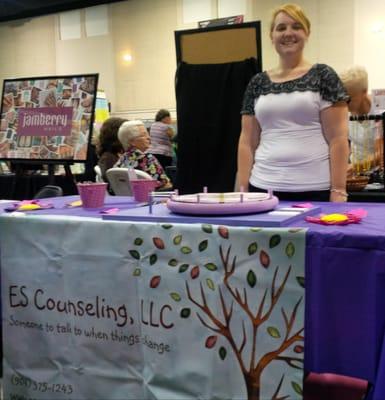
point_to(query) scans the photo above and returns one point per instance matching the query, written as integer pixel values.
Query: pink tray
(222, 203)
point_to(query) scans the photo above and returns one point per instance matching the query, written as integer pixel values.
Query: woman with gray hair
(355, 81)
(366, 147)
(135, 141)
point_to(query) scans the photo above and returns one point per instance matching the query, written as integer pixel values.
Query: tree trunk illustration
(251, 369)
(252, 386)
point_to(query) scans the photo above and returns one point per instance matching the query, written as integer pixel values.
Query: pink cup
(141, 188)
(92, 194)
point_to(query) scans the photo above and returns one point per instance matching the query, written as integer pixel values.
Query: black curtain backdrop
(209, 99)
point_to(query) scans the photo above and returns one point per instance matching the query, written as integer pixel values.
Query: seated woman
(109, 148)
(135, 140)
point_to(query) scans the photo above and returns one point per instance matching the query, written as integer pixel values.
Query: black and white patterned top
(293, 153)
(320, 78)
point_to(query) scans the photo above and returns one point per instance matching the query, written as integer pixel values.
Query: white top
(293, 154)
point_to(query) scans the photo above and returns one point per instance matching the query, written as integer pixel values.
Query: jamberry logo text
(46, 121)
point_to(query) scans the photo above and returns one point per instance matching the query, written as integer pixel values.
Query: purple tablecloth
(62, 206)
(345, 296)
(345, 290)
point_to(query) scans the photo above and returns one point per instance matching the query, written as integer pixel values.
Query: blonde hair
(354, 79)
(294, 11)
(128, 131)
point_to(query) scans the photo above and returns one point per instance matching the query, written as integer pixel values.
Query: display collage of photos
(77, 92)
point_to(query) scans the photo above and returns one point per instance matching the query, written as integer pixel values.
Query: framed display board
(47, 119)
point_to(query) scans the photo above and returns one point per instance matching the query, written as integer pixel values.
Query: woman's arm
(170, 133)
(334, 122)
(152, 166)
(248, 143)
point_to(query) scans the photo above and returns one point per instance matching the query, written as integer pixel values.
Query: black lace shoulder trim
(320, 78)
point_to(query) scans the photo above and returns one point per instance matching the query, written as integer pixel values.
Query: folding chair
(120, 182)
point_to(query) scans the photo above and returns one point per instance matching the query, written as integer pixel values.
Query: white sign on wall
(227, 8)
(196, 10)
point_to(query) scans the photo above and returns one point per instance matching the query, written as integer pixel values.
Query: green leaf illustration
(175, 296)
(211, 267)
(173, 262)
(252, 249)
(135, 254)
(153, 259)
(185, 312)
(185, 250)
(166, 226)
(222, 353)
(183, 268)
(210, 284)
(301, 281)
(203, 245)
(264, 259)
(177, 239)
(207, 228)
(290, 250)
(295, 230)
(273, 332)
(297, 387)
(255, 230)
(251, 278)
(275, 240)
(137, 272)
(138, 241)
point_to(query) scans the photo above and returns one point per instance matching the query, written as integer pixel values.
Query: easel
(22, 165)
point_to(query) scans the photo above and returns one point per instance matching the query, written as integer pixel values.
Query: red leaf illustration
(264, 259)
(155, 281)
(223, 231)
(298, 349)
(195, 272)
(210, 341)
(158, 242)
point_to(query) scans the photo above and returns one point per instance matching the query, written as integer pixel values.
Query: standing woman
(161, 134)
(294, 137)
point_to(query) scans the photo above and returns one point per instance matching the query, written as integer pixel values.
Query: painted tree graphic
(255, 316)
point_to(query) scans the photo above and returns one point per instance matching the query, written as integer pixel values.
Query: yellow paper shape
(28, 207)
(334, 218)
(76, 203)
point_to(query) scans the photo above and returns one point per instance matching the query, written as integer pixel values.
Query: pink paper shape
(358, 212)
(303, 205)
(109, 211)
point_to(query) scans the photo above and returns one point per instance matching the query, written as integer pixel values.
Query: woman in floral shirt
(135, 140)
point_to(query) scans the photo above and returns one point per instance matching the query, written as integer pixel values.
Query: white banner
(113, 310)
